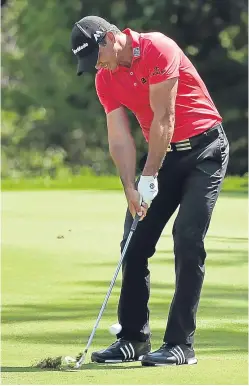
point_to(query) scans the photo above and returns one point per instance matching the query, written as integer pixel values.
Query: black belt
(206, 137)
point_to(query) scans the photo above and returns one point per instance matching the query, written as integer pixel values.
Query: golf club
(78, 364)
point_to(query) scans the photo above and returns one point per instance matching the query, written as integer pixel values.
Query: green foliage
(236, 184)
(52, 117)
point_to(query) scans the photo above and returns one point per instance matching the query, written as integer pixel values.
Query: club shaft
(133, 228)
(109, 292)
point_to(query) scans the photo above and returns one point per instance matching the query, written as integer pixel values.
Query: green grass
(65, 180)
(52, 289)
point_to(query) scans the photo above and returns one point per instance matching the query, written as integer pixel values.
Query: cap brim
(88, 63)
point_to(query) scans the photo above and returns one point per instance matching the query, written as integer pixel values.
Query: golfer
(187, 158)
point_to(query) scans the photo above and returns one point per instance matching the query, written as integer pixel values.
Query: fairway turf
(53, 288)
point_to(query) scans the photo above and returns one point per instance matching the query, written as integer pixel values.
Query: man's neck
(125, 55)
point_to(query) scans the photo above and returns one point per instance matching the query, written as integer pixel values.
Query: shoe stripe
(180, 355)
(129, 354)
(176, 355)
(132, 349)
(183, 356)
(124, 353)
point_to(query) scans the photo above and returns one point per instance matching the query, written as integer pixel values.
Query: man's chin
(112, 67)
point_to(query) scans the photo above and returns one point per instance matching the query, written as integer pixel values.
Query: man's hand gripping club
(140, 200)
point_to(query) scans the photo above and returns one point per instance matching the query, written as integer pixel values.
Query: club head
(77, 365)
(80, 362)
(68, 363)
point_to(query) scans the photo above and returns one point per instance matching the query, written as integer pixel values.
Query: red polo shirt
(155, 59)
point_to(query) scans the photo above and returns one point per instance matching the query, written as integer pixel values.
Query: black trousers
(190, 179)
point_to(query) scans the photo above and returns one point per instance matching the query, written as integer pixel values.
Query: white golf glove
(147, 188)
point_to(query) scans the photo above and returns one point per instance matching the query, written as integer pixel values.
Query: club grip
(135, 222)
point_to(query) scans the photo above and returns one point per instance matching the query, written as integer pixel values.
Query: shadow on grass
(221, 239)
(215, 257)
(229, 258)
(222, 303)
(87, 366)
(207, 340)
(8, 369)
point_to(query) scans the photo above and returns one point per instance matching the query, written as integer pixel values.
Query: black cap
(86, 36)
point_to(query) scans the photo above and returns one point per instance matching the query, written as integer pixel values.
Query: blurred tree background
(52, 119)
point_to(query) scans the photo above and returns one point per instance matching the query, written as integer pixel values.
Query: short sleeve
(105, 97)
(163, 56)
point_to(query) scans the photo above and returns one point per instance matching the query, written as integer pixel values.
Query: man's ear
(110, 35)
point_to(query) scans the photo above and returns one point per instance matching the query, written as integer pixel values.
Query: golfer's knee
(138, 249)
(189, 245)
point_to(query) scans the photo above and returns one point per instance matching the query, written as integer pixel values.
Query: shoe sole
(101, 360)
(192, 361)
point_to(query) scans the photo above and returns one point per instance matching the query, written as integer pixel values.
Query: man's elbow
(114, 147)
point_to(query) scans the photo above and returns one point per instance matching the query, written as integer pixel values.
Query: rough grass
(52, 289)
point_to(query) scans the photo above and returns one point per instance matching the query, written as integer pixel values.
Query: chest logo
(143, 80)
(136, 51)
(157, 71)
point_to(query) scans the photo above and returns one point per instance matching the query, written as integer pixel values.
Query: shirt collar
(135, 43)
(135, 47)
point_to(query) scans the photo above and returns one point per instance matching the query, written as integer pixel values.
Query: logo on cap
(80, 48)
(97, 35)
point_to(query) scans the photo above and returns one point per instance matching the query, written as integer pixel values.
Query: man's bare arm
(162, 102)
(122, 147)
